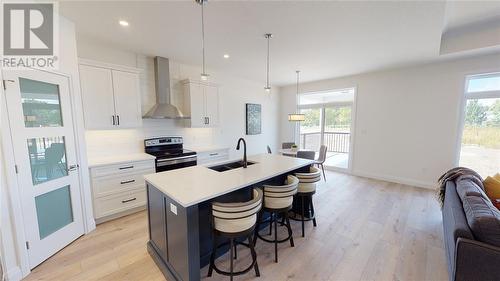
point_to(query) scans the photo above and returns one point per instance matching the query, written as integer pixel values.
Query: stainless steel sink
(230, 166)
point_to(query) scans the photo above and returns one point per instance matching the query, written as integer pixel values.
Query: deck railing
(335, 141)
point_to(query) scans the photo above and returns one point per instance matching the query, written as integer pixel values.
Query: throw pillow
(497, 176)
(492, 188)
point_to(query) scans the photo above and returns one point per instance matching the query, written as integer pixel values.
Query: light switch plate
(173, 208)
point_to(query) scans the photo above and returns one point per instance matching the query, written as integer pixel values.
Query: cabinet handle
(208, 122)
(213, 154)
(114, 123)
(125, 182)
(129, 200)
(118, 119)
(126, 167)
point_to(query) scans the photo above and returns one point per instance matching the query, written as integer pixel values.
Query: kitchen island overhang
(179, 204)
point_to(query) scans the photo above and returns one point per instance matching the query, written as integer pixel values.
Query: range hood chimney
(163, 109)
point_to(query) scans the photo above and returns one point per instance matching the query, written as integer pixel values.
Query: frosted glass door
(41, 122)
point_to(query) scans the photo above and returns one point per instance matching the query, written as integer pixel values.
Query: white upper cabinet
(201, 103)
(110, 95)
(97, 96)
(212, 105)
(127, 103)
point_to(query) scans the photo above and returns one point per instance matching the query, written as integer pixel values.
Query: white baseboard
(417, 183)
(13, 274)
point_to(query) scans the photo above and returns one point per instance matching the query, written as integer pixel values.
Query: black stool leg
(270, 223)
(275, 238)
(303, 214)
(257, 225)
(235, 251)
(312, 212)
(212, 256)
(254, 255)
(232, 258)
(289, 227)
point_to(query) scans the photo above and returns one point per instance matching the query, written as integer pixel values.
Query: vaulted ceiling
(322, 39)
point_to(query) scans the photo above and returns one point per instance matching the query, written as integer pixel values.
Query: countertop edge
(105, 161)
(227, 191)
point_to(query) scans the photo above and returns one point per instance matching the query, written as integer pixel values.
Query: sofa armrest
(476, 260)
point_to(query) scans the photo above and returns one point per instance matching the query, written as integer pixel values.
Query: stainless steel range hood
(163, 109)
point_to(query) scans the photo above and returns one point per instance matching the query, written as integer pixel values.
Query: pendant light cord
(297, 71)
(202, 2)
(268, 37)
(267, 81)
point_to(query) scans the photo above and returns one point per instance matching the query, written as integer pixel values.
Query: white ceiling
(462, 13)
(322, 39)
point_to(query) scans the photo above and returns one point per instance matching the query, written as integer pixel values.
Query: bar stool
(232, 221)
(278, 200)
(306, 189)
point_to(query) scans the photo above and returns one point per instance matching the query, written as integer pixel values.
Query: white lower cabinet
(210, 156)
(119, 189)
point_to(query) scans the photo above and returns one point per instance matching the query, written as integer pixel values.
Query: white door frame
(353, 105)
(11, 176)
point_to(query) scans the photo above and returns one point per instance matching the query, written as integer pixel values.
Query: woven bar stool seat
(305, 192)
(233, 221)
(278, 200)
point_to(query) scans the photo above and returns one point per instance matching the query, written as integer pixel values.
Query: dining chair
(322, 158)
(287, 145)
(269, 150)
(306, 154)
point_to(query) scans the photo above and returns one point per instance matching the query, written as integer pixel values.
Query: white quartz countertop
(119, 159)
(192, 185)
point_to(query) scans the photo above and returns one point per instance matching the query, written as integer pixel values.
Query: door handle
(73, 167)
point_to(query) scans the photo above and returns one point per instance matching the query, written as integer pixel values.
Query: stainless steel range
(169, 153)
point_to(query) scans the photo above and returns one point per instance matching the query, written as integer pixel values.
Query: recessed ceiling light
(226, 56)
(123, 23)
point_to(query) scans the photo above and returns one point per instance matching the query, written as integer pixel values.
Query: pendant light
(296, 117)
(204, 75)
(268, 86)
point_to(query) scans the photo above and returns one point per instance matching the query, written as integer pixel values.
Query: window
(480, 144)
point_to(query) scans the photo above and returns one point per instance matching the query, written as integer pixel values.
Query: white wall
(234, 93)
(407, 119)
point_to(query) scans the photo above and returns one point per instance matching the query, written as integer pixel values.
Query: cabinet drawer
(213, 155)
(113, 204)
(112, 184)
(124, 168)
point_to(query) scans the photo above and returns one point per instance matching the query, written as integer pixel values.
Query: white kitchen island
(179, 208)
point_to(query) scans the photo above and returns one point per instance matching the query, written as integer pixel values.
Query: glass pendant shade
(296, 117)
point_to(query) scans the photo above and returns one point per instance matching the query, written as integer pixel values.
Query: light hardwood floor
(367, 230)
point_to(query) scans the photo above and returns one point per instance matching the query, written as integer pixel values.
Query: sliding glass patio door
(328, 121)
(337, 135)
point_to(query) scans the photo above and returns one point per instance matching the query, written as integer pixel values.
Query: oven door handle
(173, 161)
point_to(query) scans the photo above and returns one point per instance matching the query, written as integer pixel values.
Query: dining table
(289, 152)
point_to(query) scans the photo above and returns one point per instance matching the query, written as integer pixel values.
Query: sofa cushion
(466, 187)
(483, 219)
